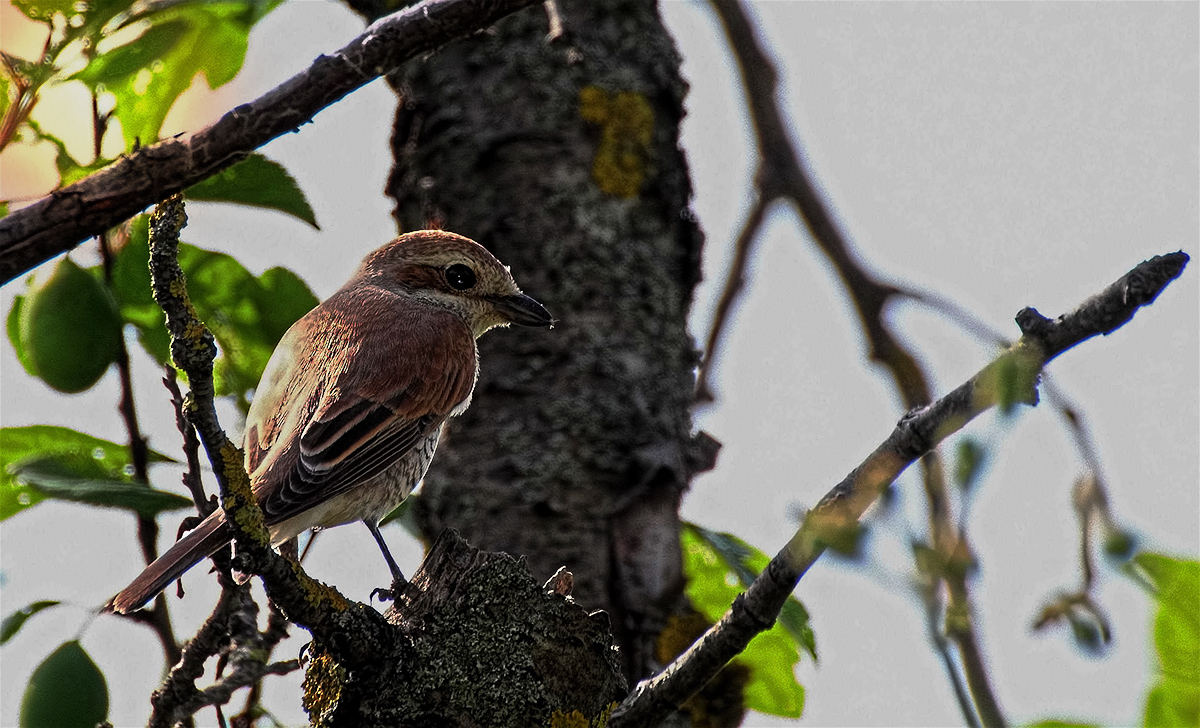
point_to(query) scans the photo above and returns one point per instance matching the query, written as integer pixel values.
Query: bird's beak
(523, 310)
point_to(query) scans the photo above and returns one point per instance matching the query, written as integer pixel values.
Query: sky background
(1000, 154)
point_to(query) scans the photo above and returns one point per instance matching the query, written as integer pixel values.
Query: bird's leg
(398, 580)
(290, 549)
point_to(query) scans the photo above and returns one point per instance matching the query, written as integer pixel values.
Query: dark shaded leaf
(969, 461)
(81, 480)
(259, 182)
(248, 315)
(66, 691)
(13, 622)
(18, 444)
(131, 288)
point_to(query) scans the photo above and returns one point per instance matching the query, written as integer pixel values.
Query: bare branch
(230, 630)
(734, 282)
(68, 216)
(916, 434)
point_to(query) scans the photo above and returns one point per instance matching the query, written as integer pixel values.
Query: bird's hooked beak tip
(522, 310)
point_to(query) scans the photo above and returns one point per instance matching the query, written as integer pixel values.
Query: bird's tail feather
(201, 542)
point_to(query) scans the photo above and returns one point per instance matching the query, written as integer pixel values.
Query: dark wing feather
(375, 404)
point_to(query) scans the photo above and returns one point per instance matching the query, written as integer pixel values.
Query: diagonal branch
(1010, 377)
(68, 216)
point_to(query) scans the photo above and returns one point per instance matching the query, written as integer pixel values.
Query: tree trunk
(561, 156)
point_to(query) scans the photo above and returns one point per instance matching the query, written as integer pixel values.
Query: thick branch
(916, 434)
(68, 216)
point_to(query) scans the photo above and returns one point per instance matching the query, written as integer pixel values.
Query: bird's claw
(390, 594)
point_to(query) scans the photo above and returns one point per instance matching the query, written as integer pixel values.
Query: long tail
(197, 544)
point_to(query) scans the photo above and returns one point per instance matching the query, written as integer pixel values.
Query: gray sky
(1001, 154)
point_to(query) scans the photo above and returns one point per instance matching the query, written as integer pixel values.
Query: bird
(350, 407)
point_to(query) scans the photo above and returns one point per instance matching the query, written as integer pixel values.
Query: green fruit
(70, 328)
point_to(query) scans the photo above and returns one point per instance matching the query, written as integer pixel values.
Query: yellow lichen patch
(626, 124)
(602, 719)
(322, 687)
(241, 496)
(316, 591)
(574, 719)
(195, 331)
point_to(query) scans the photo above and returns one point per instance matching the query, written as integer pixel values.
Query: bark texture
(561, 156)
(476, 643)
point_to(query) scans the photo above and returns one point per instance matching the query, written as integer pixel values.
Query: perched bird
(347, 416)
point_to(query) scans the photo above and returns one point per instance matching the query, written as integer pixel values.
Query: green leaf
(772, 688)
(33, 74)
(149, 73)
(69, 169)
(718, 567)
(1172, 703)
(1175, 698)
(13, 622)
(83, 19)
(968, 463)
(80, 479)
(259, 182)
(69, 328)
(795, 619)
(66, 691)
(18, 444)
(248, 315)
(6, 99)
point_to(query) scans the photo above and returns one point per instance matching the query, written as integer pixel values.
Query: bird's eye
(460, 277)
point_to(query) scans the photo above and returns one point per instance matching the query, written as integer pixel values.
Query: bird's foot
(390, 594)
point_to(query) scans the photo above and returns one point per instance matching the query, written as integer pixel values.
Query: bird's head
(456, 274)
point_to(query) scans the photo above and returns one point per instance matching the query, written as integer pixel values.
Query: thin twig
(916, 434)
(931, 595)
(139, 456)
(191, 446)
(735, 280)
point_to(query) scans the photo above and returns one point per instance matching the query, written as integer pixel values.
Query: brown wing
(392, 372)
